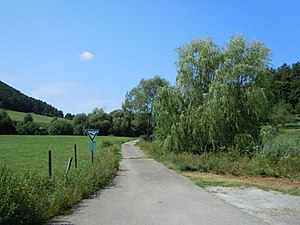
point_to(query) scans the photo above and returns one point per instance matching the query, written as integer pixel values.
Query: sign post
(92, 133)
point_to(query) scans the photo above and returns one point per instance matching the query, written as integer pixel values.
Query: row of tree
(118, 123)
(283, 86)
(13, 99)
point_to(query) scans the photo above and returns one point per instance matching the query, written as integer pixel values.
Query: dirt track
(272, 207)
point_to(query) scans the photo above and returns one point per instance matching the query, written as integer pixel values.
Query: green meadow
(30, 196)
(19, 116)
(23, 154)
(290, 133)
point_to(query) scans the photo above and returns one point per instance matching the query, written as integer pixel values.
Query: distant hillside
(40, 119)
(13, 99)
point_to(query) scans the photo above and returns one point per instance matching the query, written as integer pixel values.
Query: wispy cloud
(88, 105)
(52, 90)
(86, 56)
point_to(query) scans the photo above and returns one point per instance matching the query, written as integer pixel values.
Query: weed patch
(275, 160)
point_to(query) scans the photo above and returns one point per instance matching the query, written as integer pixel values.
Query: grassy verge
(32, 197)
(277, 170)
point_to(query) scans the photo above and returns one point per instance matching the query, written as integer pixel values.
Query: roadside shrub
(17, 203)
(274, 160)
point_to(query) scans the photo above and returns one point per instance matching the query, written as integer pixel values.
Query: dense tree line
(118, 123)
(283, 85)
(13, 99)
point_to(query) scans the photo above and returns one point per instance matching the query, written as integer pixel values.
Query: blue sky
(81, 54)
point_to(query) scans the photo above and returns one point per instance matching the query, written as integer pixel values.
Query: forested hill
(13, 99)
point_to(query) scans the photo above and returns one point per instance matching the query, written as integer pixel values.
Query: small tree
(80, 122)
(98, 119)
(61, 127)
(281, 114)
(6, 123)
(28, 118)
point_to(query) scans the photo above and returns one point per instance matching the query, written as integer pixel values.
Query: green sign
(92, 146)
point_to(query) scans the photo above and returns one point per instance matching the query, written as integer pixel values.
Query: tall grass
(33, 199)
(275, 160)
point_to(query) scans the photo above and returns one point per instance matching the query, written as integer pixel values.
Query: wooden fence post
(50, 163)
(75, 156)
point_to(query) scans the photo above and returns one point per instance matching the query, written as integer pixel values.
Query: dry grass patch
(283, 185)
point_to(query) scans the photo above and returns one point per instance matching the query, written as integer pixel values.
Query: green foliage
(216, 103)
(6, 123)
(281, 114)
(140, 101)
(275, 160)
(122, 123)
(61, 127)
(98, 119)
(80, 123)
(267, 133)
(283, 85)
(28, 118)
(28, 127)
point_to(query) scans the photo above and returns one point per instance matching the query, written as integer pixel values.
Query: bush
(61, 127)
(6, 123)
(29, 128)
(275, 160)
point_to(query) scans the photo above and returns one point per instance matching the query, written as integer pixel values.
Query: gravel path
(272, 207)
(147, 193)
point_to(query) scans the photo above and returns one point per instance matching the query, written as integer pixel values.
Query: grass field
(34, 197)
(30, 153)
(290, 133)
(19, 116)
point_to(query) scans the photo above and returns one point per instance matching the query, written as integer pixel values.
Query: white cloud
(86, 56)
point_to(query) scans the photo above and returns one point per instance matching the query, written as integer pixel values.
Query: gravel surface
(272, 207)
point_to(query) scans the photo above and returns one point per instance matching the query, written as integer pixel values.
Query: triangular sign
(92, 133)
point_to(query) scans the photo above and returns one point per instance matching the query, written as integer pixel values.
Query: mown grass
(40, 119)
(30, 196)
(30, 153)
(290, 133)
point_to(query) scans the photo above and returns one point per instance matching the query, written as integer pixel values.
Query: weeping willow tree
(216, 102)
